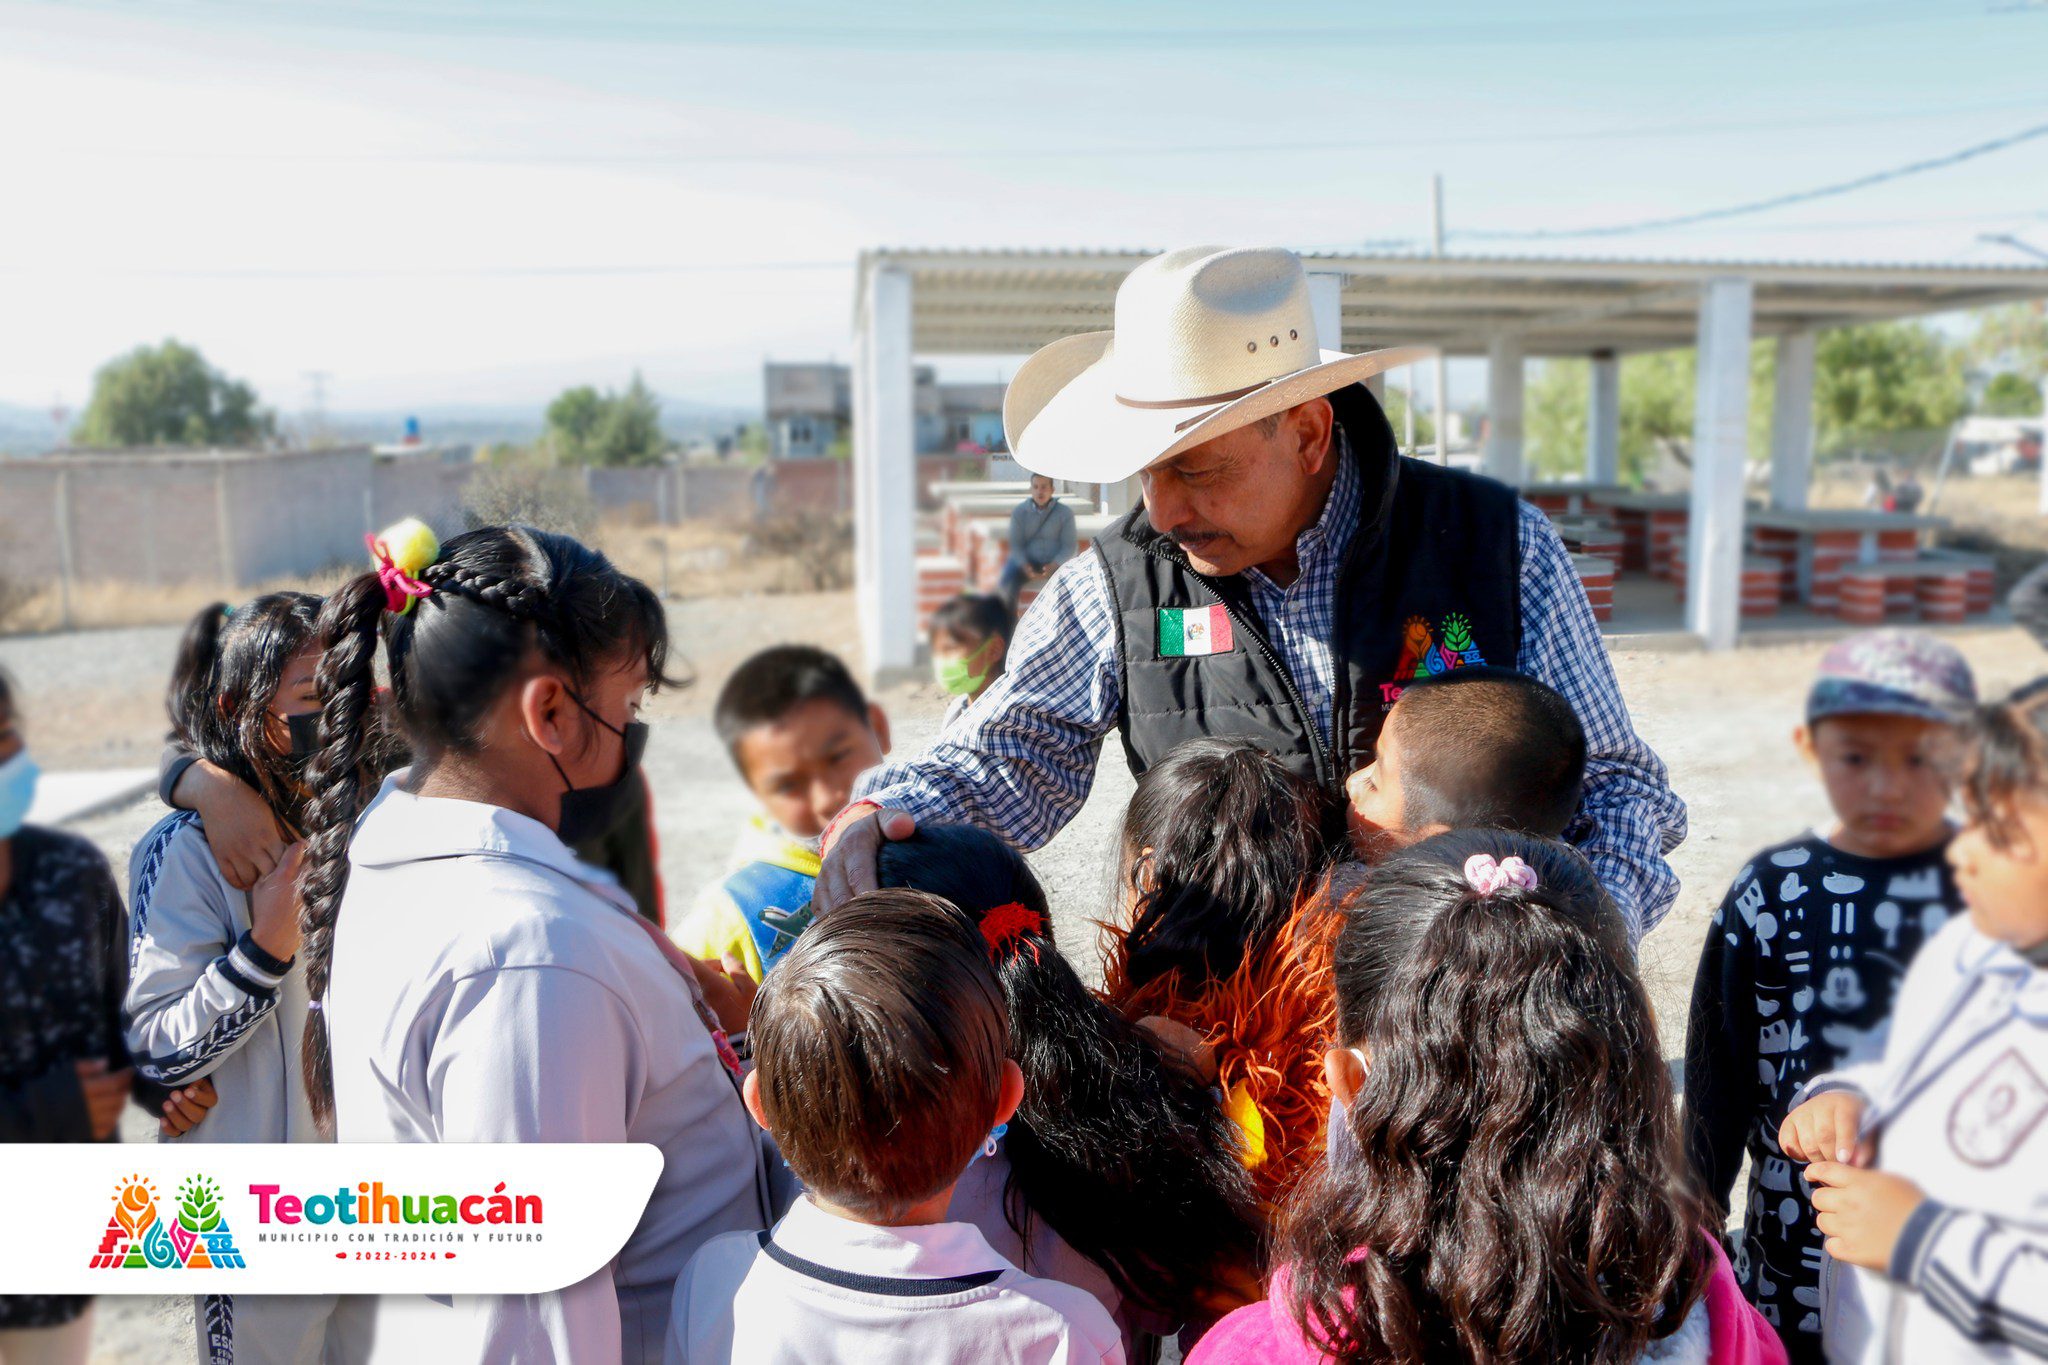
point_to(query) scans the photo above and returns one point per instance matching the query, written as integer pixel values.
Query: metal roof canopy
(1013, 302)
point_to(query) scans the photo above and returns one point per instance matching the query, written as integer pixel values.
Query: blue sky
(452, 201)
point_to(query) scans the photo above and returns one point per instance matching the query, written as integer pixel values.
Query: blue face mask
(17, 792)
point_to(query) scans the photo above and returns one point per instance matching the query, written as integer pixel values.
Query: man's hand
(274, 906)
(183, 1109)
(1861, 1211)
(852, 845)
(240, 829)
(1824, 1129)
(105, 1092)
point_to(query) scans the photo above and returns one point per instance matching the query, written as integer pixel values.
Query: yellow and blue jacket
(756, 911)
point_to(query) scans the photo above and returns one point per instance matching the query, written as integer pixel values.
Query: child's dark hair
(2006, 754)
(1235, 839)
(775, 682)
(223, 683)
(1516, 1193)
(499, 593)
(879, 1043)
(6, 692)
(1489, 748)
(1124, 1152)
(975, 617)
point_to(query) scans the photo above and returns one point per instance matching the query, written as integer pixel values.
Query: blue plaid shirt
(1020, 761)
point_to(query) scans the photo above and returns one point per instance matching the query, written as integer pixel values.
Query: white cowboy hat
(1208, 339)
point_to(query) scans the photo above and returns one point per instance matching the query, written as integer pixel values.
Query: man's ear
(1344, 1069)
(1312, 422)
(1008, 1098)
(541, 701)
(878, 721)
(750, 1095)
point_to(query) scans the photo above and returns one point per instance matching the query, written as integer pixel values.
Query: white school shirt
(1959, 1106)
(822, 1287)
(488, 987)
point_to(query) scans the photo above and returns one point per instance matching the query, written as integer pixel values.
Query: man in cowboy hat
(1287, 575)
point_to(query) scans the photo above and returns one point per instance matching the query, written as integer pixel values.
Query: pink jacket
(1265, 1333)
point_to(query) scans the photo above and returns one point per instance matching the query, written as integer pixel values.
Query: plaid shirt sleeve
(1020, 761)
(1630, 818)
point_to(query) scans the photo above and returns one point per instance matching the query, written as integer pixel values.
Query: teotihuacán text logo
(193, 1234)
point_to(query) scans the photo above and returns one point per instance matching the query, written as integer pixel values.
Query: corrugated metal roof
(993, 300)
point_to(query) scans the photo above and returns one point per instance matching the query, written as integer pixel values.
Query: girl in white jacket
(216, 1001)
(1930, 1167)
(471, 980)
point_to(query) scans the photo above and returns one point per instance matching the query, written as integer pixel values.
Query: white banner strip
(283, 1218)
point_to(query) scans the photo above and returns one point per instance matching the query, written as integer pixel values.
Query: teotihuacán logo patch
(142, 1235)
(1423, 655)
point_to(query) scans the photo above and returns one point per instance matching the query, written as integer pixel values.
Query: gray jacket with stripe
(204, 1000)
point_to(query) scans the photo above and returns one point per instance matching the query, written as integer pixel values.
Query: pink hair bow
(1487, 876)
(400, 587)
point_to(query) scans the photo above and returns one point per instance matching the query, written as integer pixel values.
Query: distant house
(809, 409)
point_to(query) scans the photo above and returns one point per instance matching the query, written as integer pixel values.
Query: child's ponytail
(1515, 1191)
(192, 691)
(339, 778)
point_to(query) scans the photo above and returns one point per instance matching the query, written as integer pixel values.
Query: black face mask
(305, 734)
(589, 812)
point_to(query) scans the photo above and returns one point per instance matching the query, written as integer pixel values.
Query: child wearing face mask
(216, 1001)
(800, 731)
(970, 642)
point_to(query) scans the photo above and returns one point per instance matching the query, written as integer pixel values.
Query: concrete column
(1720, 455)
(2044, 445)
(1603, 419)
(1443, 409)
(1502, 458)
(1326, 299)
(1792, 423)
(885, 476)
(1119, 498)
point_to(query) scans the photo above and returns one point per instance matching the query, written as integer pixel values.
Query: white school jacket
(822, 1287)
(488, 987)
(1958, 1105)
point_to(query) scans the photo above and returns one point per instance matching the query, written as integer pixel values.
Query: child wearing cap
(1808, 947)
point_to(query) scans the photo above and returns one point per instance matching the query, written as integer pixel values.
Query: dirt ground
(1720, 721)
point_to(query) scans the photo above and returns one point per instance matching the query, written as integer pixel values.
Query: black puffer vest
(1431, 582)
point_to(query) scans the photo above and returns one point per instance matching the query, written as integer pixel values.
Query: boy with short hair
(1808, 947)
(1475, 748)
(801, 732)
(882, 1070)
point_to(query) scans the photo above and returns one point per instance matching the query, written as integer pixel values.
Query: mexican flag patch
(1187, 631)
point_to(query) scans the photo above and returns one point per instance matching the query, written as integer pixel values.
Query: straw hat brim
(1064, 420)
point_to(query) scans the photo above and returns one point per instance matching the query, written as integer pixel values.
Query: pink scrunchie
(1487, 876)
(400, 587)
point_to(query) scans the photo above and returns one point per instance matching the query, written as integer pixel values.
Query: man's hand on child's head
(853, 844)
(1861, 1211)
(1825, 1129)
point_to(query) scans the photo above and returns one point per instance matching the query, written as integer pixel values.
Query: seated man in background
(1042, 537)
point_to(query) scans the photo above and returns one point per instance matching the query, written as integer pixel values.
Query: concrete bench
(1937, 591)
(1763, 588)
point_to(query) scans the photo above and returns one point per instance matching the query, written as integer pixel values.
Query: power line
(1861, 182)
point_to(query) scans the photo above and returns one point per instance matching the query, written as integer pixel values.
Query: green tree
(572, 423)
(1396, 405)
(630, 433)
(169, 395)
(2013, 337)
(2010, 395)
(1656, 411)
(588, 427)
(1884, 378)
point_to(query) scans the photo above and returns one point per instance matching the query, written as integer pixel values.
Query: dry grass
(705, 559)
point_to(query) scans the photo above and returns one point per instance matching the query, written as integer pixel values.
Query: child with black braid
(474, 981)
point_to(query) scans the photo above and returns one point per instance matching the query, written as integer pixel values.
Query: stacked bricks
(1980, 578)
(1549, 502)
(1943, 598)
(1937, 591)
(1762, 582)
(1859, 596)
(1833, 552)
(940, 578)
(1666, 530)
(1596, 576)
(1782, 545)
(1634, 528)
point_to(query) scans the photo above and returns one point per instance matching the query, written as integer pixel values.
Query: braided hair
(498, 593)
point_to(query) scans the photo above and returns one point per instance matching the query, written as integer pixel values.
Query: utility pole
(316, 407)
(1442, 375)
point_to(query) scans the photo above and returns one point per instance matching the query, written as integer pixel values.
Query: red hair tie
(400, 587)
(1007, 925)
